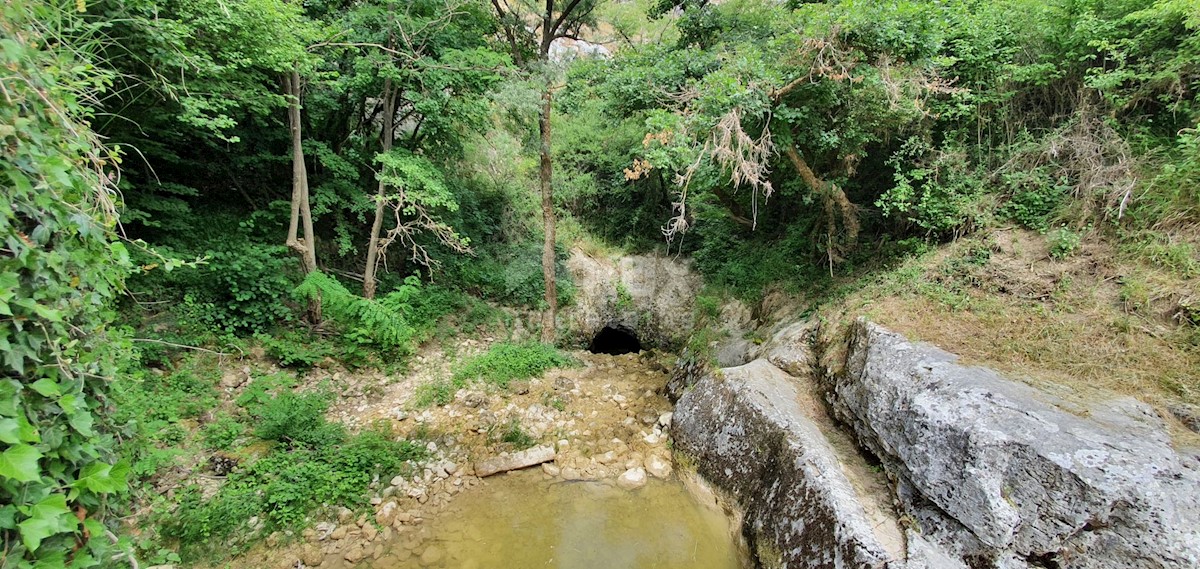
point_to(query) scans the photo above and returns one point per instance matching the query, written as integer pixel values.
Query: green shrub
(155, 400)
(241, 288)
(516, 436)
(152, 404)
(282, 488)
(383, 322)
(222, 433)
(1162, 250)
(707, 309)
(436, 392)
(747, 266)
(392, 325)
(263, 389)
(624, 298)
(503, 363)
(1172, 197)
(296, 349)
(936, 189)
(1063, 242)
(298, 419)
(1035, 199)
(249, 287)
(512, 275)
(507, 362)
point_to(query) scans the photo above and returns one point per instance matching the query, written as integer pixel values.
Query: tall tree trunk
(386, 133)
(301, 213)
(548, 328)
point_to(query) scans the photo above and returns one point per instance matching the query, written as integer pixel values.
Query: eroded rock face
(1001, 473)
(647, 294)
(750, 437)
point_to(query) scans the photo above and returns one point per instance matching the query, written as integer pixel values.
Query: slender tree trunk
(301, 213)
(389, 103)
(548, 326)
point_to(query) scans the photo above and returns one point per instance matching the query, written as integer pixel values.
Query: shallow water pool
(521, 520)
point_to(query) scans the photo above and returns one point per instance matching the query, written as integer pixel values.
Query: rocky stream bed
(827, 446)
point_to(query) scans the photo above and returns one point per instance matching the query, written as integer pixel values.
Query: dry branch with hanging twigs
(679, 224)
(746, 158)
(419, 221)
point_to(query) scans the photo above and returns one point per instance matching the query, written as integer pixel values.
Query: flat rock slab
(751, 437)
(985, 460)
(515, 461)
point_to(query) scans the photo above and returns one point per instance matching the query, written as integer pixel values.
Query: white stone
(657, 467)
(632, 479)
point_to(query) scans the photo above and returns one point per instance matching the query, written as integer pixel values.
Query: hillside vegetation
(205, 200)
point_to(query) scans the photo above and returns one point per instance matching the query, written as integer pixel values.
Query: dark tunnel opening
(615, 341)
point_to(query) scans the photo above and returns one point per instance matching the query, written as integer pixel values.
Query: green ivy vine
(60, 268)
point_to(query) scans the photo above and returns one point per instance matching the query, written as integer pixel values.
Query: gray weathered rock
(517, 460)
(689, 370)
(658, 307)
(733, 352)
(1189, 415)
(750, 437)
(922, 554)
(789, 349)
(981, 458)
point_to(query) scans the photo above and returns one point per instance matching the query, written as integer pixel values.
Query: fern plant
(381, 322)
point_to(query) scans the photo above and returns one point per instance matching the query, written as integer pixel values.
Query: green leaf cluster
(62, 266)
(315, 463)
(381, 322)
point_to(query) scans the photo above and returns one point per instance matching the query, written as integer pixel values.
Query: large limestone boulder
(1006, 475)
(750, 436)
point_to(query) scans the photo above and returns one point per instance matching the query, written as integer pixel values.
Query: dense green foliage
(307, 462)
(60, 270)
(778, 144)
(508, 362)
(283, 487)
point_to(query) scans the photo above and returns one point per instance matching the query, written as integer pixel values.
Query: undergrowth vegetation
(1096, 320)
(502, 364)
(282, 459)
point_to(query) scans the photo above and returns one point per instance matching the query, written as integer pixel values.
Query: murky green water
(521, 521)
